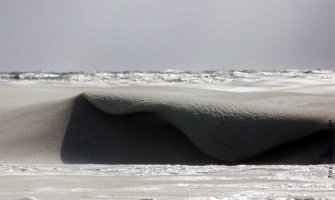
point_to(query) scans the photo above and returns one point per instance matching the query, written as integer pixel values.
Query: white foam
(306, 81)
(166, 182)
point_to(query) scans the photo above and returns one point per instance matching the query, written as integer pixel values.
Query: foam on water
(316, 81)
(166, 182)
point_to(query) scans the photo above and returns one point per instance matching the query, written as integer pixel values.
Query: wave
(218, 124)
(171, 125)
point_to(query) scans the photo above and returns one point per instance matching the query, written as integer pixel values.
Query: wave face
(230, 80)
(225, 126)
(168, 125)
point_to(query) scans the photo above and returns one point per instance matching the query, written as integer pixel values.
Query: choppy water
(169, 76)
(315, 81)
(166, 182)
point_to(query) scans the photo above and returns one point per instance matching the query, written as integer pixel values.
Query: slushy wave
(219, 125)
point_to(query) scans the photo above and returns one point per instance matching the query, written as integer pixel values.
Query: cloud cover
(65, 35)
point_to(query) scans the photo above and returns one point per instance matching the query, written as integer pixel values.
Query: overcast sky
(66, 35)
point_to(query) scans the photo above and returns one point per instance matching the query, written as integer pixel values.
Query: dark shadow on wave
(314, 149)
(96, 137)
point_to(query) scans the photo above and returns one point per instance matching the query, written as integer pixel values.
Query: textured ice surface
(165, 182)
(316, 81)
(224, 127)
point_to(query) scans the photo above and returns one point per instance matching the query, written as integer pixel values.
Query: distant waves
(167, 76)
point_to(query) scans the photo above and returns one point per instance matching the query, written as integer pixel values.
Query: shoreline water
(164, 182)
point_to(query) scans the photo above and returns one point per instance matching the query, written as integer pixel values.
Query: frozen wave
(224, 127)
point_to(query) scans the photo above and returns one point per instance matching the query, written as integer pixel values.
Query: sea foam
(308, 81)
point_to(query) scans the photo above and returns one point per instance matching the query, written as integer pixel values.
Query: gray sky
(68, 35)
